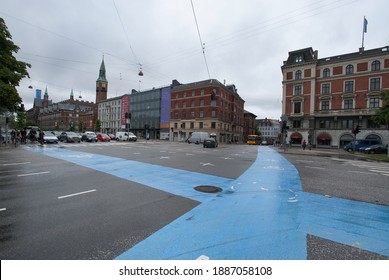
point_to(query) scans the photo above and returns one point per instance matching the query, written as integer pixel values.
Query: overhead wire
(201, 42)
(125, 33)
(265, 26)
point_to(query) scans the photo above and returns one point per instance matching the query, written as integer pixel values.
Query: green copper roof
(102, 77)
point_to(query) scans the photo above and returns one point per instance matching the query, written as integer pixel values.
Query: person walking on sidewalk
(304, 144)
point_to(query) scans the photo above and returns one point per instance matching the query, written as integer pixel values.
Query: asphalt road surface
(118, 200)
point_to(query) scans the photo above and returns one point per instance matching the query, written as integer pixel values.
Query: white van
(198, 137)
(121, 136)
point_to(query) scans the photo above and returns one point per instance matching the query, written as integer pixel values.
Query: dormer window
(298, 58)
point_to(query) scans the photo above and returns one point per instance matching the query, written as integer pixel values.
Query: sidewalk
(329, 152)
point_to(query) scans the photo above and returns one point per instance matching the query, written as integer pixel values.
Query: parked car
(132, 137)
(89, 136)
(49, 137)
(375, 149)
(103, 137)
(361, 143)
(69, 136)
(111, 136)
(209, 143)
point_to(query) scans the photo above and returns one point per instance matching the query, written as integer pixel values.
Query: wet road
(98, 201)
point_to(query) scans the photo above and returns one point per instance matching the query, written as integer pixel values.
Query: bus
(254, 139)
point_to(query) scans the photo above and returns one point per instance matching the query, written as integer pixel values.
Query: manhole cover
(208, 189)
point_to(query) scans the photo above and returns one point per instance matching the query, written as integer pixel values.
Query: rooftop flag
(364, 25)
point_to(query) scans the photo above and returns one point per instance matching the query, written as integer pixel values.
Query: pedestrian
(304, 144)
(41, 137)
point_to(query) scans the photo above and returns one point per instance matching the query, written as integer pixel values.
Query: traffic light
(356, 130)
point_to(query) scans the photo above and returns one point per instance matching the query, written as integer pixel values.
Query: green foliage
(80, 126)
(98, 125)
(382, 115)
(11, 70)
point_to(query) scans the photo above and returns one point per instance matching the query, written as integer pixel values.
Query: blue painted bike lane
(265, 216)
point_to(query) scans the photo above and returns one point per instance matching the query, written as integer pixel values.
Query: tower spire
(101, 84)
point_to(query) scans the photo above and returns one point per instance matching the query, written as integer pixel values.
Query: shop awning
(296, 135)
(324, 136)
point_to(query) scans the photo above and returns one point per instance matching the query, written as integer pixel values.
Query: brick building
(325, 98)
(208, 106)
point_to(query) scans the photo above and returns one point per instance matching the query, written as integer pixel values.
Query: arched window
(326, 73)
(375, 65)
(298, 75)
(349, 69)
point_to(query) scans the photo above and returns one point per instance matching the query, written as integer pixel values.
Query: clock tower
(101, 84)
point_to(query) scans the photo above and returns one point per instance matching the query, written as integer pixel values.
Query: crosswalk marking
(373, 168)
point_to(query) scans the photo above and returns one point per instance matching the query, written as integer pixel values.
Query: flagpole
(363, 32)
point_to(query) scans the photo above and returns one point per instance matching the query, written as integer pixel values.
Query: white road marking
(315, 167)
(32, 174)
(361, 172)
(301, 160)
(16, 163)
(3, 209)
(74, 194)
(207, 164)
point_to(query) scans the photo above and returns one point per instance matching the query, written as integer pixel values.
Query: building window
(375, 83)
(347, 124)
(192, 114)
(202, 92)
(325, 124)
(349, 86)
(298, 58)
(349, 69)
(201, 114)
(297, 107)
(184, 94)
(297, 124)
(201, 102)
(184, 105)
(298, 75)
(193, 93)
(192, 104)
(375, 65)
(297, 90)
(348, 104)
(213, 114)
(213, 125)
(191, 125)
(325, 105)
(326, 73)
(325, 88)
(374, 103)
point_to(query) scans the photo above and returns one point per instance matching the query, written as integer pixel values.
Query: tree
(382, 115)
(97, 125)
(11, 70)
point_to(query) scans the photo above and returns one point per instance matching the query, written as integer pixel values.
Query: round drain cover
(208, 189)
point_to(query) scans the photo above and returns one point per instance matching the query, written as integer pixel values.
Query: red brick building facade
(325, 98)
(208, 106)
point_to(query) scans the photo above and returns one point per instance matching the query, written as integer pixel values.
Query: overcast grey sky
(245, 42)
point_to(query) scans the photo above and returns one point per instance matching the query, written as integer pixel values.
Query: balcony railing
(346, 112)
